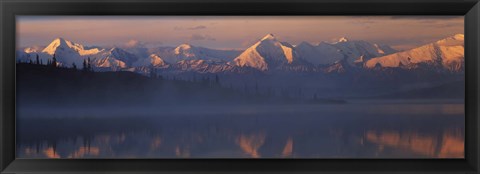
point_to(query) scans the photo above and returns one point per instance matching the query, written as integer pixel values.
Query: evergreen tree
(74, 66)
(84, 68)
(89, 66)
(38, 60)
(54, 61)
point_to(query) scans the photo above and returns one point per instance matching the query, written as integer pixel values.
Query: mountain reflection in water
(450, 144)
(355, 131)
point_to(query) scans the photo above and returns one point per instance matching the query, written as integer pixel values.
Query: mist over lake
(408, 129)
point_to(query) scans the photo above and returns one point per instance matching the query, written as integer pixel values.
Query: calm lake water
(359, 129)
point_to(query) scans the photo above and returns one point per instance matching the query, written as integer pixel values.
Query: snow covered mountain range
(448, 52)
(267, 55)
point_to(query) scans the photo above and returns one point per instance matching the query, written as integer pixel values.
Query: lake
(358, 129)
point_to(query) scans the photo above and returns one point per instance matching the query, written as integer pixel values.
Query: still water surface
(353, 130)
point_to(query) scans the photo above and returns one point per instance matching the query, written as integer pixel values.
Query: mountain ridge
(267, 54)
(448, 52)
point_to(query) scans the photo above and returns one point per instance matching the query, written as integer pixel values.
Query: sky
(234, 32)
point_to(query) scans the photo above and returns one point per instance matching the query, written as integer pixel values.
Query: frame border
(10, 8)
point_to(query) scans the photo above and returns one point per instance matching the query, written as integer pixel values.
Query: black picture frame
(10, 8)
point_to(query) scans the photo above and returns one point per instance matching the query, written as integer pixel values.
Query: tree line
(53, 63)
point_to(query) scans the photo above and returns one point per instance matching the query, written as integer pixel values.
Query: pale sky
(234, 32)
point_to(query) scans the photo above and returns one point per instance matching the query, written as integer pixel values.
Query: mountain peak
(322, 43)
(184, 49)
(450, 52)
(115, 49)
(458, 37)
(184, 46)
(59, 39)
(267, 52)
(155, 61)
(343, 39)
(57, 42)
(304, 44)
(269, 36)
